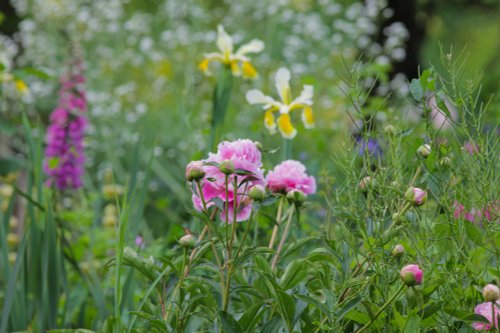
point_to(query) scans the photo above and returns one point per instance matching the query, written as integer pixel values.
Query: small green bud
(227, 167)
(257, 193)
(366, 184)
(398, 250)
(194, 171)
(446, 161)
(389, 130)
(491, 293)
(424, 150)
(297, 197)
(187, 241)
(259, 146)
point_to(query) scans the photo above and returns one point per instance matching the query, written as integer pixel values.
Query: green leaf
(416, 90)
(229, 324)
(294, 273)
(474, 233)
(474, 317)
(349, 306)
(272, 326)
(77, 330)
(251, 317)
(413, 324)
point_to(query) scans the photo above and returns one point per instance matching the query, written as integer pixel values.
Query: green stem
(396, 294)
(287, 149)
(222, 93)
(177, 289)
(247, 230)
(278, 220)
(283, 238)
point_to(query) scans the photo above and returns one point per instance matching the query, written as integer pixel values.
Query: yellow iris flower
(285, 106)
(237, 61)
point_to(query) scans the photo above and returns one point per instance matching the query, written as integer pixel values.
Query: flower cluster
(239, 164)
(64, 154)
(243, 155)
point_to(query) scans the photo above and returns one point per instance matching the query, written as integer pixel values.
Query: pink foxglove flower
(64, 154)
(485, 310)
(290, 175)
(412, 275)
(244, 155)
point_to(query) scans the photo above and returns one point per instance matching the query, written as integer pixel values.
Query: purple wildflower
(371, 147)
(64, 155)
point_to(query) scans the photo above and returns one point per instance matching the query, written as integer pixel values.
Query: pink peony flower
(245, 155)
(412, 275)
(290, 175)
(485, 310)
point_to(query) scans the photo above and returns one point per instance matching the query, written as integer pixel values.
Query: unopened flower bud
(297, 197)
(187, 241)
(491, 293)
(416, 196)
(139, 241)
(446, 161)
(111, 191)
(259, 146)
(398, 250)
(424, 150)
(12, 239)
(389, 130)
(194, 171)
(227, 167)
(6, 191)
(257, 193)
(366, 184)
(412, 275)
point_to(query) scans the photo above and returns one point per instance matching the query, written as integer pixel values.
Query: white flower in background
(285, 106)
(237, 61)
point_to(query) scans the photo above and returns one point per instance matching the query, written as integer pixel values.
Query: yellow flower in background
(302, 102)
(237, 61)
(21, 86)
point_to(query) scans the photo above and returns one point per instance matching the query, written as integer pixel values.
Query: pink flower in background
(245, 155)
(485, 310)
(64, 155)
(290, 175)
(440, 119)
(412, 275)
(474, 215)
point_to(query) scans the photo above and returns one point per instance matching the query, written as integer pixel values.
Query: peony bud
(187, 241)
(389, 130)
(398, 250)
(366, 183)
(194, 171)
(259, 146)
(411, 275)
(12, 239)
(491, 293)
(227, 167)
(416, 196)
(257, 193)
(424, 150)
(297, 197)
